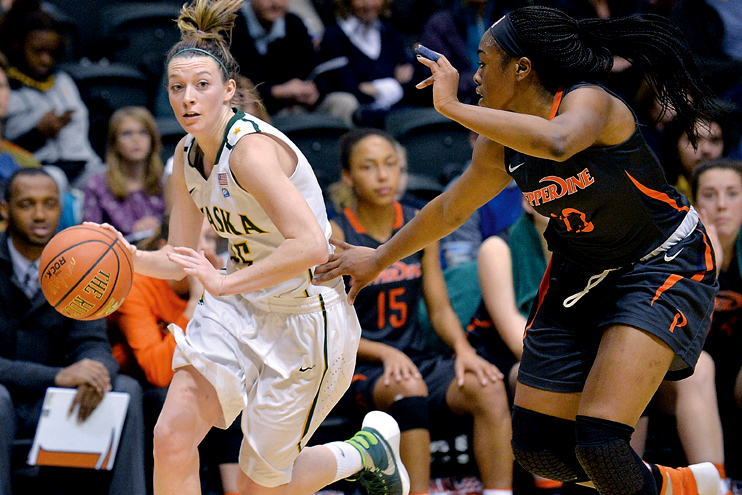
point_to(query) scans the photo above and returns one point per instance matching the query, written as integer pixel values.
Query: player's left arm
(262, 167)
(447, 325)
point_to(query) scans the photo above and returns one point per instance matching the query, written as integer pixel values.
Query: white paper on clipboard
(61, 441)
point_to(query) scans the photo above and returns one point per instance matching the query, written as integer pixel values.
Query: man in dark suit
(274, 50)
(41, 348)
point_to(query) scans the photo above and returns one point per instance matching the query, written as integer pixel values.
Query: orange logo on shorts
(675, 323)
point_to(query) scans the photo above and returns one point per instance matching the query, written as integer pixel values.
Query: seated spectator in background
(713, 28)
(274, 50)
(45, 115)
(510, 271)
(12, 157)
(41, 348)
(378, 71)
(144, 347)
(129, 193)
(678, 156)
(624, 79)
(499, 213)
(397, 371)
(309, 15)
(717, 189)
(455, 32)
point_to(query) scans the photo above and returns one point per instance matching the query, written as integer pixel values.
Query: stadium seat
(171, 133)
(106, 87)
(316, 136)
(139, 34)
(435, 145)
(70, 30)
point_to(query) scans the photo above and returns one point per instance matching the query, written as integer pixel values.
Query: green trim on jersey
(238, 114)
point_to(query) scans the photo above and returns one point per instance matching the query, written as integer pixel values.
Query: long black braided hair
(565, 51)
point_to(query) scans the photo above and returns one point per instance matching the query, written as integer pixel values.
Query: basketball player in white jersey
(264, 340)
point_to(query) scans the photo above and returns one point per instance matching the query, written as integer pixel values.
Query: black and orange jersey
(727, 319)
(608, 206)
(388, 307)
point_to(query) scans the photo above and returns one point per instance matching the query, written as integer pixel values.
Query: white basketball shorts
(283, 362)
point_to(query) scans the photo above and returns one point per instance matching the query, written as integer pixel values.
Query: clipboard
(61, 441)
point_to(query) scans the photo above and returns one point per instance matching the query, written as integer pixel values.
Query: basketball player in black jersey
(628, 296)
(397, 370)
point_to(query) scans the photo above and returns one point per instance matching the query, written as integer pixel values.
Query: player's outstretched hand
(357, 261)
(129, 247)
(444, 78)
(196, 264)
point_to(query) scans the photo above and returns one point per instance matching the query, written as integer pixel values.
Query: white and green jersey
(237, 216)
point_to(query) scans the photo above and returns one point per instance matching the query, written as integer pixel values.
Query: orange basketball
(85, 272)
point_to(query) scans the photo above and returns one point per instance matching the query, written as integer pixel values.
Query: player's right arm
(481, 181)
(185, 222)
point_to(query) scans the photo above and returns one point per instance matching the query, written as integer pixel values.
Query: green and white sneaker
(378, 442)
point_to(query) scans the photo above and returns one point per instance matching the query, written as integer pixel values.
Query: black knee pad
(605, 454)
(545, 445)
(411, 413)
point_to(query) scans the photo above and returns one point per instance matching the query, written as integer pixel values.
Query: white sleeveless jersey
(237, 216)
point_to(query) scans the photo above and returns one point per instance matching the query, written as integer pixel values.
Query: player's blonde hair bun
(208, 19)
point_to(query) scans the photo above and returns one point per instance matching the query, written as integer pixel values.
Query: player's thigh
(558, 404)
(628, 369)
(191, 406)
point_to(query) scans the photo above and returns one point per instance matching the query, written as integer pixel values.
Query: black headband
(505, 35)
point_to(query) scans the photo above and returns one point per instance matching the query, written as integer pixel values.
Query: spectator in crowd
(397, 371)
(309, 15)
(455, 32)
(713, 28)
(679, 157)
(144, 347)
(128, 194)
(624, 78)
(378, 68)
(46, 114)
(511, 267)
(12, 157)
(41, 348)
(717, 188)
(274, 50)
(499, 213)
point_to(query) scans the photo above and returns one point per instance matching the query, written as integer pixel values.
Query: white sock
(348, 459)
(496, 491)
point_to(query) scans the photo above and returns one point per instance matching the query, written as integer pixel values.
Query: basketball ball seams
(84, 264)
(127, 255)
(55, 258)
(104, 304)
(84, 275)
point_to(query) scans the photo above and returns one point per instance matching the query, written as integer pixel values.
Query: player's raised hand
(359, 262)
(444, 78)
